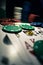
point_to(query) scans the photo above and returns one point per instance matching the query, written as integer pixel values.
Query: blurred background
(2, 8)
(28, 6)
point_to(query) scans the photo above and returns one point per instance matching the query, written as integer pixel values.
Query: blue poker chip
(37, 24)
(42, 25)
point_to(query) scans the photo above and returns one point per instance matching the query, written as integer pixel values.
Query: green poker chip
(27, 27)
(38, 48)
(12, 28)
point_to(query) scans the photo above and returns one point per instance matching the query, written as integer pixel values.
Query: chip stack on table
(17, 13)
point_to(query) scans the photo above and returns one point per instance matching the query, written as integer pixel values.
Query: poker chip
(38, 24)
(27, 27)
(5, 61)
(12, 28)
(38, 48)
(42, 25)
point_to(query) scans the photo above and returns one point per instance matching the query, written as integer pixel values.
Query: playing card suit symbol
(5, 60)
(7, 41)
(27, 45)
(33, 40)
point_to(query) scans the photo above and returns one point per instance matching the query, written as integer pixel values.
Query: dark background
(8, 6)
(3, 4)
(2, 9)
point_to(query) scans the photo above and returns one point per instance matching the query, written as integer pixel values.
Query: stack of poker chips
(17, 13)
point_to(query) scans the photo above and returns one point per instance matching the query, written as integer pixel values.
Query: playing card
(23, 39)
(18, 51)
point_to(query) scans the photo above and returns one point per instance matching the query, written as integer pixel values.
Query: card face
(18, 52)
(27, 44)
(15, 52)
